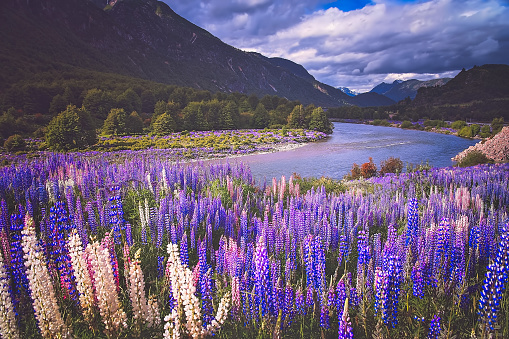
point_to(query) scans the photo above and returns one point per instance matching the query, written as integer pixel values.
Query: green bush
(474, 158)
(15, 143)
(406, 124)
(458, 124)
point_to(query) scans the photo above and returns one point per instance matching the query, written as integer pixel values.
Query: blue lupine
(434, 328)
(495, 281)
(261, 275)
(206, 297)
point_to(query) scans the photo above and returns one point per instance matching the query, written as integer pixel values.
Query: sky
(358, 43)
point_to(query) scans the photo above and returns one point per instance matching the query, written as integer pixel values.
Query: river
(355, 143)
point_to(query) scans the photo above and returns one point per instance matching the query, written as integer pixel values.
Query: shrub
(15, 143)
(406, 124)
(355, 172)
(474, 158)
(391, 165)
(368, 169)
(485, 131)
(458, 124)
(465, 132)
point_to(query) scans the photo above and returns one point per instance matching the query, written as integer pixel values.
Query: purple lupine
(340, 297)
(324, 317)
(319, 270)
(261, 275)
(418, 280)
(288, 310)
(345, 327)
(300, 306)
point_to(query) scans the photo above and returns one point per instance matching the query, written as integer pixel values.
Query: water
(352, 143)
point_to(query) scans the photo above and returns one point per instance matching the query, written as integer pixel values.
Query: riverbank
(495, 148)
(190, 146)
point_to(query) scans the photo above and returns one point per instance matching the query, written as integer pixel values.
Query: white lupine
(83, 280)
(45, 305)
(110, 308)
(8, 326)
(143, 310)
(181, 279)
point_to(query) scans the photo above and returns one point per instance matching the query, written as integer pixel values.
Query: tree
(229, 112)
(296, 119)
(261, 117)
(98, 103)
(115, 123)
(163, 125)
(320, 122)
(496, 125)
(71, 129)
(129, 101)
(134, 123)
(485, 131)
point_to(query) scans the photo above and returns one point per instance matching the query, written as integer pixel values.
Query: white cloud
(360, 47)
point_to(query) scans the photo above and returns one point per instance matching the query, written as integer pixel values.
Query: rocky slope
(495, 148)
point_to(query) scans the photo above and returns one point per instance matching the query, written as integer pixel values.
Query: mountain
(348, 91)
(400, 90)
(143, 39)
(371, 99)
(480, 83)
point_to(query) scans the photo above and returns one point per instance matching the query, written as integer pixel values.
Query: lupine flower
(8, 326)
(345, 327)
(143, 310)
(105, 286)
(495, 281)
(261, 275)
(324, 317)
(45, 305)
(187, 303)
(83, 281)
(434, 328)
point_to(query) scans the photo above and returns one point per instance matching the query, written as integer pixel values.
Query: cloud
(361, 47)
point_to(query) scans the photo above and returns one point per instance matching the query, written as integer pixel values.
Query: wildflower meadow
(131, 244)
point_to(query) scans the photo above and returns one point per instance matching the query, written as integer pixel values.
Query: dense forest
(123, 105)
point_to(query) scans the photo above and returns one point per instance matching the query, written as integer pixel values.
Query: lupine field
(131, 244)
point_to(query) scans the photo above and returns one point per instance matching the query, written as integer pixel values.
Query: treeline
(145, 107)
(486, 110)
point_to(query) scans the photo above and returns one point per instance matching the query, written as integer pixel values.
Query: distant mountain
(480, 83)
(144, 39)
(400, 90)
(348, 91)
(371, 99)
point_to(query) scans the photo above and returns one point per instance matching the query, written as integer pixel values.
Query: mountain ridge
(401, 89)
(146, 39)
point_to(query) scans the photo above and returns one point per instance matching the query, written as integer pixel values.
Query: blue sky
(358, 43)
